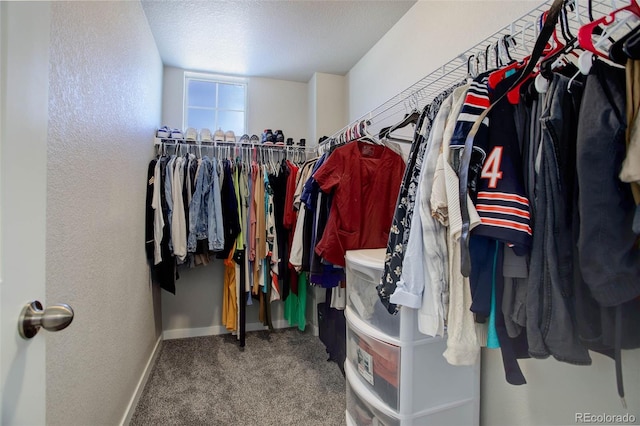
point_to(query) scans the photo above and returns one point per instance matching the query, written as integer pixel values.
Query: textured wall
(104, 103)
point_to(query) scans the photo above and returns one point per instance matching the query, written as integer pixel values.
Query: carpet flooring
(281, 378)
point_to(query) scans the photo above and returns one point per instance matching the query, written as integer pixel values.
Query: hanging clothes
(163, 270)
(403, 214)
(365, 180)
(229, 294)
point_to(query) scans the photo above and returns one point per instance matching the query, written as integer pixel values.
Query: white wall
(555, 392)
(196, 308)
(313, 109)
(430, 34)
(271, 104)
(278, 104)
(104, 104)
(327, 106)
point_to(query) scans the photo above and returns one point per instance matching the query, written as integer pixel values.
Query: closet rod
(522, 31)
(172, 142)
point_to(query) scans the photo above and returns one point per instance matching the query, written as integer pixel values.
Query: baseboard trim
(215, 330)
(133, 403)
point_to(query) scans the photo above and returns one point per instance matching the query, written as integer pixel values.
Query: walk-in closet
(320, 212)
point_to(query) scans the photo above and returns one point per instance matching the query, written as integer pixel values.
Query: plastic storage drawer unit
(406, 376)
(363, 408)
(362, 412)
(363, 271)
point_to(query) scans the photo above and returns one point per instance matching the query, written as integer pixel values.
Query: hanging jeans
(550, 320)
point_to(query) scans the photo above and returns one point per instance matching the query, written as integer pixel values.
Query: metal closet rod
(172, 142)
(456, 70)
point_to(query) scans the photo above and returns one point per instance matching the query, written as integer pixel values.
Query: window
(215, 102)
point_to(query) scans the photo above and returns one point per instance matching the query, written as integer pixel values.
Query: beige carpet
(281, 378)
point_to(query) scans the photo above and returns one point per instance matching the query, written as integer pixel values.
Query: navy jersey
(501, 200)
(475, 102)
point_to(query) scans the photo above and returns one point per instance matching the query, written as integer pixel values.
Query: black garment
(483, 251)
(332, 328)
(165, 273)
(609, 257)
(307, 245)
(512, 348)
(238, 257)
(230, 219)
(279, 185)
(323, 209)
(185, 195)
(550, 302)
(606, 284)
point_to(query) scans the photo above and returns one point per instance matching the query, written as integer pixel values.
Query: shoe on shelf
(191, 134)
(176, 134)
(244, 138)
(289, 141)
(302, 142)
(205, 135)
(218, 136)
(254, 139)
(163, 132)
(279, 137)
(230, 136)
(267, 136)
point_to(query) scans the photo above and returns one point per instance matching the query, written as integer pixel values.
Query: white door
(24, 90)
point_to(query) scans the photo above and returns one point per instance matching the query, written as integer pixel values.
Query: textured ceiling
(288, 40)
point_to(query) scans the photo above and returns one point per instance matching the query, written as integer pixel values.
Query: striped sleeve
(475, 102)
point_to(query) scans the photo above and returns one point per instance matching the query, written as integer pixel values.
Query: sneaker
(191, 134)
(244, 138)
(205, 135)
(267, 136)
(176, 134)
(289, 141)
(254, 139)
(230, 136)
(279, 136)
(163, 132)
(302, 142)
(218, 136)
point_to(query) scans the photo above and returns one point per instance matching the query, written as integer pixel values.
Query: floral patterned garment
(399, 235)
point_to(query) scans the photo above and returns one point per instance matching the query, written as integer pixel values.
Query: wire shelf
(520, 34)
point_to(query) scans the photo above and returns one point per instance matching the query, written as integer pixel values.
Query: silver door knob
(53, 318)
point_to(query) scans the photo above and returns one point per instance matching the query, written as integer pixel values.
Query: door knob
(53, 318)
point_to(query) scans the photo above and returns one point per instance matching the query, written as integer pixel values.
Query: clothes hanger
(409, 118)
(550, 57)
(501, 73)
(470, 73)
(612, 22)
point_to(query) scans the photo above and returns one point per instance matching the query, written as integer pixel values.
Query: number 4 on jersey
(491, 169)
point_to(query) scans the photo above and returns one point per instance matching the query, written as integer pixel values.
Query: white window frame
(213, 78)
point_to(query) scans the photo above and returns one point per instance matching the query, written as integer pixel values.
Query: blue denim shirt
(214, 210)
(198, 209)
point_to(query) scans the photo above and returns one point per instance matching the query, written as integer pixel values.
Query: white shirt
(158, 220)
(178, 220)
